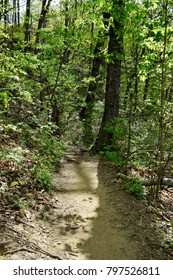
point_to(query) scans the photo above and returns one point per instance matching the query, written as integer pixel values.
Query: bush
(43, 177)
(132, 187)
(42, 139)
(115, 157)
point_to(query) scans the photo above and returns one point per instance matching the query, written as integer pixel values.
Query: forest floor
(86, 216)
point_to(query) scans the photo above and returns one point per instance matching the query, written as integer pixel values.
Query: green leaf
(22, 183)
(102, 3)
(27, 96)
(13, 184)
(142, 78)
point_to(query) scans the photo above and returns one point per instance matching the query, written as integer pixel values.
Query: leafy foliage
(44, 84)
(132, 187)
(115, 152)
(43, 176)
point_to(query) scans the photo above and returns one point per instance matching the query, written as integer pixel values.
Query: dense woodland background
(98, 74)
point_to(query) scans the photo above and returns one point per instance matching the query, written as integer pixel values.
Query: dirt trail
(102, 221)
(91, 217)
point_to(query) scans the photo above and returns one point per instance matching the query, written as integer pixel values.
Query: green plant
(133, 187)
(117, 128)
(51, 147)
(19, 204)
(116, 150)
(42, 139)
(43, 177)
(115, 157)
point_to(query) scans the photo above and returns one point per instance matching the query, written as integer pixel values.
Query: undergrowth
(133, 187)
(116, 153)
(27, 159)
(116, 150)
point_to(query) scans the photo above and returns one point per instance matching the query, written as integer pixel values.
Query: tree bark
(1, 8)
(5, 13)
(160, 158)
(42, 19)
(56, 110)
(87, 110)
(115, 51)
(18, 13)
(27, 25)
(14, 16)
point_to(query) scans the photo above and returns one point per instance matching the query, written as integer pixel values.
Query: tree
(27, 25)
(42, 19)
(160, 157)
(16, 13)
(114, 59)
(87, 110)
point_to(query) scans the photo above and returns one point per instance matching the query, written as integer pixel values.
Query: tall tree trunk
(5, 13)
(1, 8)
(42, 19)
(56, 110)
(160, 158)
(136, 61)
(27, 25)
(146, 87)
(14, 16)
(66, 52)
(18, 13)
(87, 110)
(115, 51)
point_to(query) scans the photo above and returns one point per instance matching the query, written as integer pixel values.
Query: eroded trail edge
(89, 216)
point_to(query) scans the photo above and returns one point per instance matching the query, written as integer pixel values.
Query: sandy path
(102, 221)
(89, 216)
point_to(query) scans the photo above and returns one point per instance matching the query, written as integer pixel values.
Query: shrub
(43, 178)
(133, 187)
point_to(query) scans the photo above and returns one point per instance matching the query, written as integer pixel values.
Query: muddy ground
(87, 216)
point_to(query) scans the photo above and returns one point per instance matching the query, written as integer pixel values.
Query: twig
(34, 246)
(3, 243)
(51, 205)
(69, 207)
(17, 250)
(50, 233)
(73, 254)
(13, 236)
(41, 250)
(10, 228)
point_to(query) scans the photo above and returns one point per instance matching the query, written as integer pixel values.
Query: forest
(96, 76)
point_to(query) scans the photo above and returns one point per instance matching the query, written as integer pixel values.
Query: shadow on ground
(123, 227)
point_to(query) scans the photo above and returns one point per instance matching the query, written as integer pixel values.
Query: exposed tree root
(41, 250)
(17, 250)
(34, 247)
